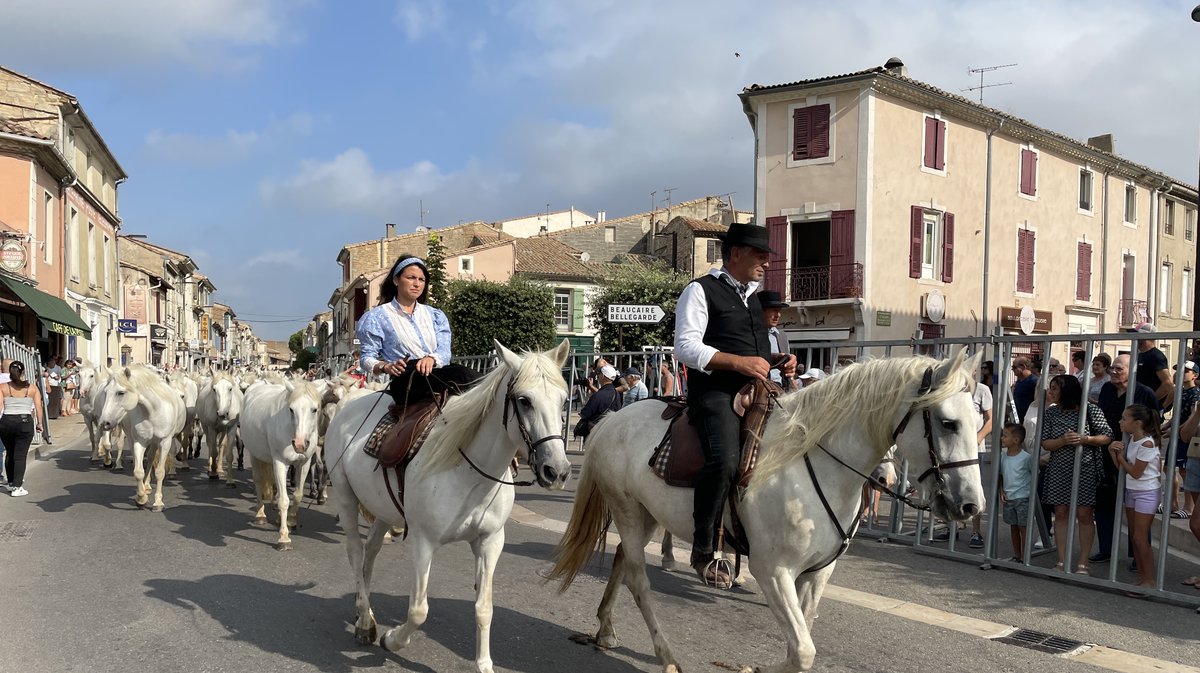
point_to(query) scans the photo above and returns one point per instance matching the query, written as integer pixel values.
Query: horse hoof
(94, 461)
(260, 521)
(606, 642)
(230, 484)
(118, 468)
(156, 508)
(365, 636)
(179, 456)
(213, 477)
(668, 565)
(321, 500)
(283, 546)
(172, 477)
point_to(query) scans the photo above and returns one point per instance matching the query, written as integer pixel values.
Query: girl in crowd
(22, 404)
(1140, 460)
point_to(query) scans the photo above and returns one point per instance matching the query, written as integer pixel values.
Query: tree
(435, 262)
(296, 342)
(303, 360)
(636, 285)
(518, 314)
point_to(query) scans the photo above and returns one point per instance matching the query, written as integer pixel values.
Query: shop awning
(54, 313)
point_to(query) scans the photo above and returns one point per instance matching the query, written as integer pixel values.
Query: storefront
(36, 319)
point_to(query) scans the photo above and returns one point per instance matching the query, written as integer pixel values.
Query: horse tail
(590, 519)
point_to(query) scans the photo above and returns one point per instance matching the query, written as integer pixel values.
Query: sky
(260, 136)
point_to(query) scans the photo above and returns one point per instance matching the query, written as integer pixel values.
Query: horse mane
(461, 418)
(869, 394)
(139, 379)
(303, 388)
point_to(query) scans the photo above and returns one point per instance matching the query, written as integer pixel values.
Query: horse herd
(817, 448)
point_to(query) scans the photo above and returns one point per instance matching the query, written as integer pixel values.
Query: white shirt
(982, 401)
(691, 320)
(1143, 449)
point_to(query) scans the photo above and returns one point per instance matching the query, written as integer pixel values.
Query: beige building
(691, 246)
(545, 223)
(875, 190)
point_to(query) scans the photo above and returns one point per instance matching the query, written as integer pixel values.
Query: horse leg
(418, 608)
(810, 588)
(214, 453)
(160, 468)
(668, 551)
(606, 637)
(487, 551)
(365, 628)
(282, 498)
(226, 449)
(139, 470)
(779, 587)
(298, 493)
(261, 477)
(91, 427)
(635, 534)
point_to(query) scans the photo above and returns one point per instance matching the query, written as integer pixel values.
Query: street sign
(127, 326)
(637, 313)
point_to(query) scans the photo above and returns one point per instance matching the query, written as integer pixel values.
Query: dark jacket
(601, 402)
(734, 328)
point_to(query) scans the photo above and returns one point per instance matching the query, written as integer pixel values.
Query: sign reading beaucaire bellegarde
(645, 313)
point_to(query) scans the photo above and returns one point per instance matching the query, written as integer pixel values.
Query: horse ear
(511, 359)
(287, 383)
(560, 353)
(950, 366)
(128, 373)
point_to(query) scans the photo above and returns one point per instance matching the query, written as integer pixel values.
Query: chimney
(390, 230)
(601, 216)
(1103, 143)
(895, 66)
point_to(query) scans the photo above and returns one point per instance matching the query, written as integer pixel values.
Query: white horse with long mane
(91, 381)
(279, 427)
(823, 439)
(458, 488)
(218, 409)
(150, 415)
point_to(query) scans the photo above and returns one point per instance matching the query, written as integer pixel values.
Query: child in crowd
(1016, 477)
(1140, 460)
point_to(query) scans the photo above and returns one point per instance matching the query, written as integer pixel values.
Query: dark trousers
(16, 431)
(410, 386)
(711, 412)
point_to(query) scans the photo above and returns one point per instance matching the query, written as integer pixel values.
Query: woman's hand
(393, 368)
(1072, 438)
(425, 365)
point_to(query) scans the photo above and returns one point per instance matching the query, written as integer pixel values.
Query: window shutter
(801, 133)
(1033, 157)
(1025, 250)
(941, 145)
(843, 280)
(931, 142)
(915, 236)
(1024, 171)
(819, 147)
(1083, 277)
(578, 323)
(777, 269)
(947, 247)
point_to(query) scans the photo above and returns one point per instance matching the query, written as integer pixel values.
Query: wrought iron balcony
(811, 283)
(1133, 311)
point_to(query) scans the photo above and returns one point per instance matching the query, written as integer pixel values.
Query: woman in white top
(22, 407)
(1140, 460)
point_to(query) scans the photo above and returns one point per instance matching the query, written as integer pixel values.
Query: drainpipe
(1104, 253)
(752, 117)
(987, 227)
(1152, 254)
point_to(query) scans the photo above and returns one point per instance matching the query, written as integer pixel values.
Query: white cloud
(229, 147)
(351, 182)
(207, 35)
(288, 258)
(418, 18)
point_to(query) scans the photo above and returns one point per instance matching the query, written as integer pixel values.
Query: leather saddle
(397, 438)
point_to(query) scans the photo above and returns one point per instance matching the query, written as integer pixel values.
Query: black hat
(750, 235)
(771, 299)
(631, 371)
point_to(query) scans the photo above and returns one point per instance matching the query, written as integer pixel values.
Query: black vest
(732, 328)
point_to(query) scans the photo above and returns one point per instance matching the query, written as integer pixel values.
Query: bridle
(935, 465)
(512, 406)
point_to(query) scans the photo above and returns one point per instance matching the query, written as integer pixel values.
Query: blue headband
(403, 264)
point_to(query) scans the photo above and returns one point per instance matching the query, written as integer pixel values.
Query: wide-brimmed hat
(750, 235)
(771, 299)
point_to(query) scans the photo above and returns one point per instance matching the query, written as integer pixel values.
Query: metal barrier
(11, 349)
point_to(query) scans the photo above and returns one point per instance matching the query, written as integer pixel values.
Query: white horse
(824, 439)
(190, 393)
(457, 488)
(218, 410)
(91, 380)
(150, 414)
(279, 426)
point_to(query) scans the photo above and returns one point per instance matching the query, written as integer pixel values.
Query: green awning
(54, 313)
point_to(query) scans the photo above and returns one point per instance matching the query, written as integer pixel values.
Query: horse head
(87, 379)
(228, 397)
(533, 412)
(937, 436)
(117, 398)
(304, 407)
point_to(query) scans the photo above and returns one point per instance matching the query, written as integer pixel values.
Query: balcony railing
(1133, 311)
(809, 283)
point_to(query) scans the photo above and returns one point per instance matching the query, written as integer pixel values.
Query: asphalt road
(88, 582)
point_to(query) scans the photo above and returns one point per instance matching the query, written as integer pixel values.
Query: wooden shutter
(1083, 273)
(777, 270)
(578, 322)
(930, 142)
(843, 280)
(947, 247)
(916, 232)
(819, 119)
(941, 145)
(801, 133)
(1029, 172)
(1025, 251)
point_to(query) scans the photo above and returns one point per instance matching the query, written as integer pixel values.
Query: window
(810, 132)
(714, 251)
(465, 264)
(1189, 224)
(610, 234)
(562, 309)
(1029, 159)
(1085, 189)
(1130, 204)
(1164, 288)
(107, 265)
(73, 245)
(91, 254)
(935, 143)
(1168, 218)
(1083, 272)
(1026, 253)
(931, 330)
(931, 244)
(48, 244)
(1185, 289)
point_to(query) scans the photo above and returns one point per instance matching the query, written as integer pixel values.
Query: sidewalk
(64, 431)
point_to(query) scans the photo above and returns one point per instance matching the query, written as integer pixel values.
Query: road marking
(1095, 655)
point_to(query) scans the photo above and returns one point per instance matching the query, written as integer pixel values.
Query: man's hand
(788, 368)
(752, 366)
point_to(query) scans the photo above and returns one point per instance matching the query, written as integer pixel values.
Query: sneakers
(18, 492)
(1098, 557)
(976, 541)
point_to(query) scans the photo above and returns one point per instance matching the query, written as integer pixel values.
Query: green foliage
(519, 314)
(635, 285)
(303, 360)
(435, 262)
(296, 342)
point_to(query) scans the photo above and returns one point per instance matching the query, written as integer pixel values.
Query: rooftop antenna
(423, 212)
(981, 72)
(668, 191)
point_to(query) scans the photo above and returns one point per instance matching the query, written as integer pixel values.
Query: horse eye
(952, 426)
(525, 401)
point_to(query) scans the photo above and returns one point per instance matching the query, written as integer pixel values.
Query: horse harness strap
(846, 537)
(512, 407)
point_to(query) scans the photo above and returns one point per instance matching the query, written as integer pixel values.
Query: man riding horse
(721, 337)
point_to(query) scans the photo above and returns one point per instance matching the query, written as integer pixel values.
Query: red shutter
(1024, 178)
(916, 231)
(1033, 173)
(948, 247)
(777, 270)
(819, 147)
(931, 144)
(941, 145)
(1083, 273)
(1029, 172)
(1025, 251)
(843, 280)
(801, 133)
